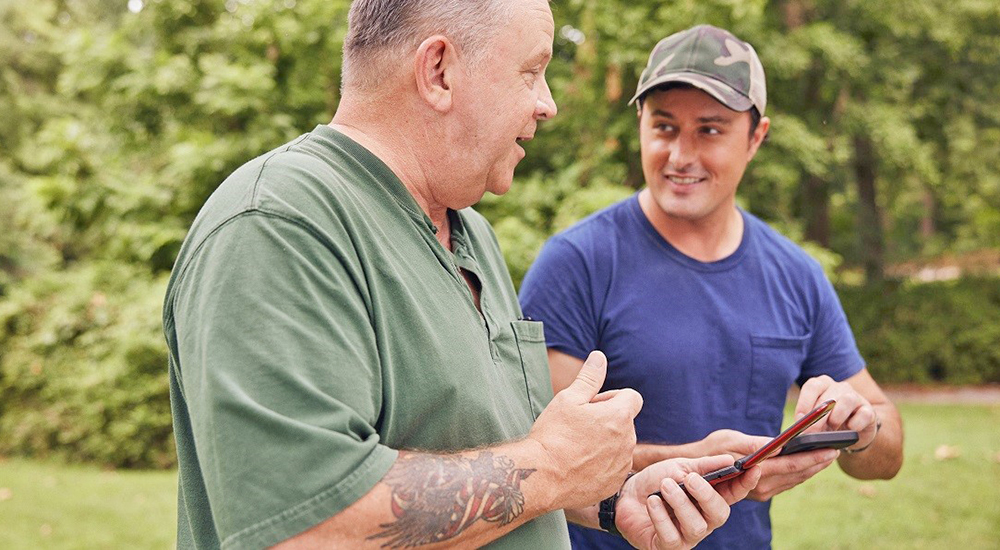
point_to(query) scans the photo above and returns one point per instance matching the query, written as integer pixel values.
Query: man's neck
(399, 156)
(709, 239)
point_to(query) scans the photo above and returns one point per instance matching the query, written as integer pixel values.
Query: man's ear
(758, 136)
(435, 67)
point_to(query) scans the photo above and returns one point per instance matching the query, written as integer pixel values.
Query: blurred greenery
(120, 118)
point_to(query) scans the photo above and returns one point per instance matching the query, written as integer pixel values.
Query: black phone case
(819, 440)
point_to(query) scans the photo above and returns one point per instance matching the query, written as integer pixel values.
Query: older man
(702, 307)
(349, 365)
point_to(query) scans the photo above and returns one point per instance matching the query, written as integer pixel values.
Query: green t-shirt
(315, 325)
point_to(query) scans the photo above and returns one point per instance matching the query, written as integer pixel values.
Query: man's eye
(531, 76)
(712, 131)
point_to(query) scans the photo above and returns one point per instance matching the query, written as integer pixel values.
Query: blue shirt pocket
(776, 362)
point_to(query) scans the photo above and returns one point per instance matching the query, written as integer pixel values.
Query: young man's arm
(777, 474)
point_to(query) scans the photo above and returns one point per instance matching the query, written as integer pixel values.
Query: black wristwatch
(606, 511)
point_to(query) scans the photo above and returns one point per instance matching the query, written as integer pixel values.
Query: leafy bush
(942, 332)
(83, 368)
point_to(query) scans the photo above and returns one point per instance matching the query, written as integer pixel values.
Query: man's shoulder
(778, 247)
(598, 231)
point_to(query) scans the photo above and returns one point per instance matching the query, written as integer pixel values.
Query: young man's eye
(711, 131)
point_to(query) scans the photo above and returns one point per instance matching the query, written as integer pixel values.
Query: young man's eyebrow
(715, 120)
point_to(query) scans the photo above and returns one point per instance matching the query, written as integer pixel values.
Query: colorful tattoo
(434, 498)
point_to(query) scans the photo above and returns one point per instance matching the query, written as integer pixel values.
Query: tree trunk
(816, 200)
(870, 231)
(927, 225)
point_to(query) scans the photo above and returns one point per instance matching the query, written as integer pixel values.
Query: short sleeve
(280, 374)
(832, 348)
(556, 291)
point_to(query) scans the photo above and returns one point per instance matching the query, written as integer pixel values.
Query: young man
(700, 306)
(349, 366)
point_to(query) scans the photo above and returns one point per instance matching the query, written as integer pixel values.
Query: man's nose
(681, 150)
(545, 107)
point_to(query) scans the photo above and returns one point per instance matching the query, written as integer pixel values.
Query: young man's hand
(778, 473)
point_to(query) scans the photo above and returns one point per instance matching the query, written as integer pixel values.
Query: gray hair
(381, 29)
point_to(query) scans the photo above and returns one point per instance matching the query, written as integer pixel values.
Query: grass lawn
(48, 505)
(933, 503)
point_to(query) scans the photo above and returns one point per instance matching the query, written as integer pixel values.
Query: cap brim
(722, 92)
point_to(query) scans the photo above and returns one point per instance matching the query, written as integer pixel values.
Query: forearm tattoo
(434, 498)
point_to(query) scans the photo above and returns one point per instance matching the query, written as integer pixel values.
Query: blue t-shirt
(708, 345)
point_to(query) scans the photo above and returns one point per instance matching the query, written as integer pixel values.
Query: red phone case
(771, 447)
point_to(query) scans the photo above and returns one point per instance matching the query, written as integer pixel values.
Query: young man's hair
(381, 30)
(754, 113)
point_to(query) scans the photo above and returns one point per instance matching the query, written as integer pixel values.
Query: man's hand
(678, 520)
(778, 473)
(588, 436)
(853, 411)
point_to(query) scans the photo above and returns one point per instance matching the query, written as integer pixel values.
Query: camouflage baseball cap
(711, 59)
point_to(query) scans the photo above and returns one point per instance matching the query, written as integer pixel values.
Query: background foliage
(118, 119)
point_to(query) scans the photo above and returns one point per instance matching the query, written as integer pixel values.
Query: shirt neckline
(729, 262)
(383, 175)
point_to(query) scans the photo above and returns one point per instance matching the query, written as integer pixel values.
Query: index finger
(811, 394)
(626, 397)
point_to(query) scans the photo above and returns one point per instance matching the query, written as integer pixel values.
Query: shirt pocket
(776, 362)
(530, 338)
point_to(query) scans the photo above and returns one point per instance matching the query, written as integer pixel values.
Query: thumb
(590, 379)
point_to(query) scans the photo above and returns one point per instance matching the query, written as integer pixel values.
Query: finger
(679, 503)
(604, 396)
(792, 464)
(788, 477)
(810, 393)
(740, 487)
(848, 404)
(627, 395)
(626, 398)
(714, 510)
(708, 464)
(863, 418)
(590, 379)
(667, 534)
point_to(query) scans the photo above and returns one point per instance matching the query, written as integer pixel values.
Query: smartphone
(819, 440)
(771, 447)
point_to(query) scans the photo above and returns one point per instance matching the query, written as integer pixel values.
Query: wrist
(553, 483)
(607, 514)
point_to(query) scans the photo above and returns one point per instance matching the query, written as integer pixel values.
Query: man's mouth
(684, 180)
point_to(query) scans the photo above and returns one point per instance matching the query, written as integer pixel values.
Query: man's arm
(474, 497)
(862, 406)
(466, 499)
